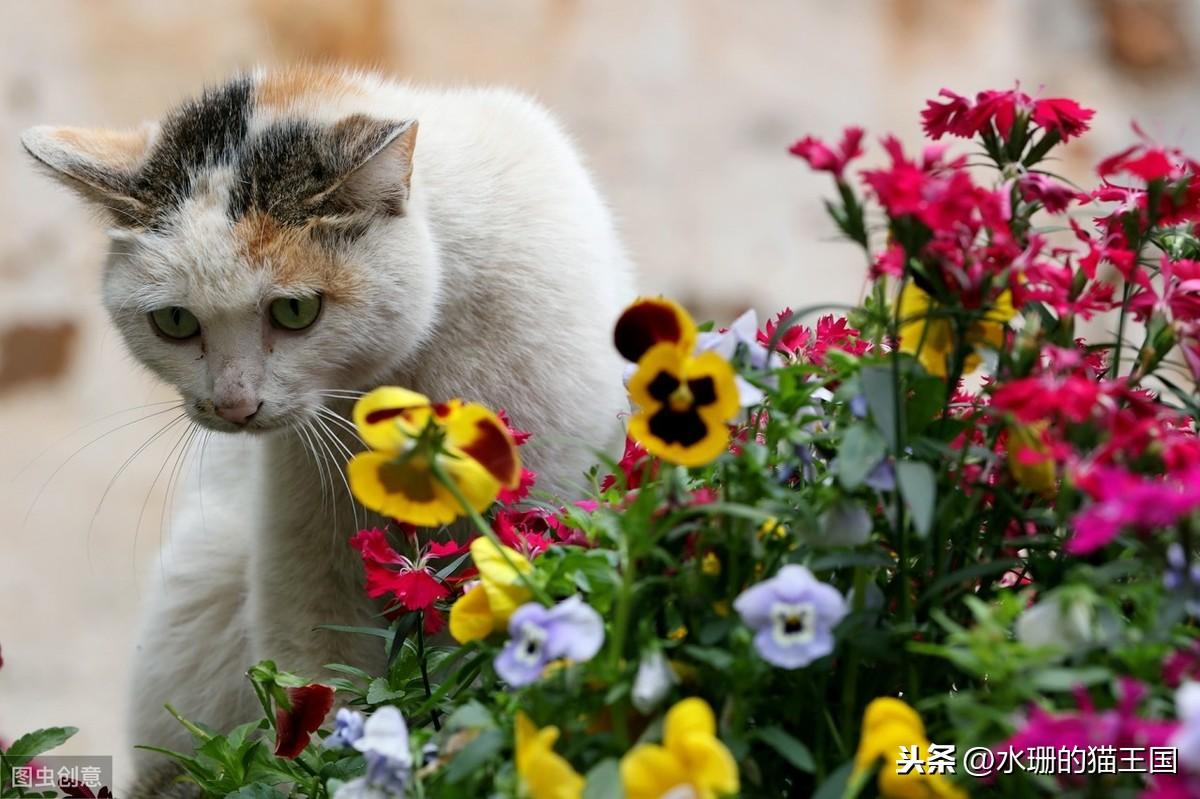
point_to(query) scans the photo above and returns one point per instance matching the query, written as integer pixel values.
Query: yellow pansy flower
(931, 339)
(1029, 459)
(408, 436)
(684, 399)
(544, 773)
(888, 724)
(487, 607)
(691, 757)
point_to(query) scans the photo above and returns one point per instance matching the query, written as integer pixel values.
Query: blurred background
(683, 108)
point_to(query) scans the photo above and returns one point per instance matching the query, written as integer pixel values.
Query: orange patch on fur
(120, 149)
(292, 256)
(298, 86)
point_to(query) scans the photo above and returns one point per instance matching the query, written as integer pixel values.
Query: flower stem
(434, 713)
(487, 532)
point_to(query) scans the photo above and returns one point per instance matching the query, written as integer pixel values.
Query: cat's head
(259, 255)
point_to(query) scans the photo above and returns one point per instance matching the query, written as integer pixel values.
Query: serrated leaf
(380, 692)
(918, 486)
(787, 747)
(29, 746)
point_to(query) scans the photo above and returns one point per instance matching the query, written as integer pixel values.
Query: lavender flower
(537, 635)
(1183, 579)
(348, 728)
(793, 615)
(384, 744)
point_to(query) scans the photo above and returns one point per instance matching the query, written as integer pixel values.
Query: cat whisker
(303, 434)
(42, 489)
(121, 470)
(166, 514)
(323, 431)
(85, 426)
(341, 422)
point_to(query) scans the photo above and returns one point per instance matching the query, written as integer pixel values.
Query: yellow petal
(404, 491)
(653, 320)
(388, 417)
(930, 339)
(478, 433)
(477, 485)
(915, 786)
(1024, 441)
(690, 433)
(500, 570)
(471, 616)
(649, 771)
(687, 717)
(713, 770)
(545, 773)
(889, 709)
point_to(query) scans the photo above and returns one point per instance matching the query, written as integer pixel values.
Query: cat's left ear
(372, 160)
(98, 164)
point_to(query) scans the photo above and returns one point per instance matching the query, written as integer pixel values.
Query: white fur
(500, 284)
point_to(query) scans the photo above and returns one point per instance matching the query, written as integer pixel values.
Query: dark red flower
(295, 725)
(78, 789)
(1055, 197)
(1030, 399)
(1063, 115)
(824, 158)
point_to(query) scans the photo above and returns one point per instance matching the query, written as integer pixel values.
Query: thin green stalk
(620, 631)
(434, 713)
(487, 532)
(1116, 364)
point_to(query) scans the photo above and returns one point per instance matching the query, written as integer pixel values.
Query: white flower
(653, 681)
(1187, 737)
(1057, 622)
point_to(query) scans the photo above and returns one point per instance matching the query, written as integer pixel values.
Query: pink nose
(239, 414)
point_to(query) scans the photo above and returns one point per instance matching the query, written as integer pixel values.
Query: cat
(286, 240)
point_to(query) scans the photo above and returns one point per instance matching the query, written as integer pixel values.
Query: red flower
(412, 584)
(634, 461)
(508, 496)
(792, 340)
(1032, 399)
(1055, 197)
(294, 726)
(958, 116)
(823, 158)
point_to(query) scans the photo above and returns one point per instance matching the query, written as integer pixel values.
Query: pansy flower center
(793, 622)
(529, 647)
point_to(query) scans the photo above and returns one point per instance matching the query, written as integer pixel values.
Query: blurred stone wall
(684, 109)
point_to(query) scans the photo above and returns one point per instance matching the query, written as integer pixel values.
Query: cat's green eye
(175, 322)
(295, 313)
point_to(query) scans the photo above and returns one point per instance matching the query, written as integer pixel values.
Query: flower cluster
(945, 517)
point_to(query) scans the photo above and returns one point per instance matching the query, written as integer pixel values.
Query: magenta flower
(793, 615)
(824, 158)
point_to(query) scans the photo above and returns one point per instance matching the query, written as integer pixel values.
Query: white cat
(289, 237)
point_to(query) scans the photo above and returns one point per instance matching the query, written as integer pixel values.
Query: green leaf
(790, 749)
(719, 659)
(604, 781)
(472, 715)
(862, 448)
(880, 391)
(835, 784)
(918, 486)
(27, 747)
(380, 692)
(483, 748)
(1056, 679)
(256, 791)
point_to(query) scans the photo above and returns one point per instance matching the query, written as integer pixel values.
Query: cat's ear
(98, 164)
(372, 160)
